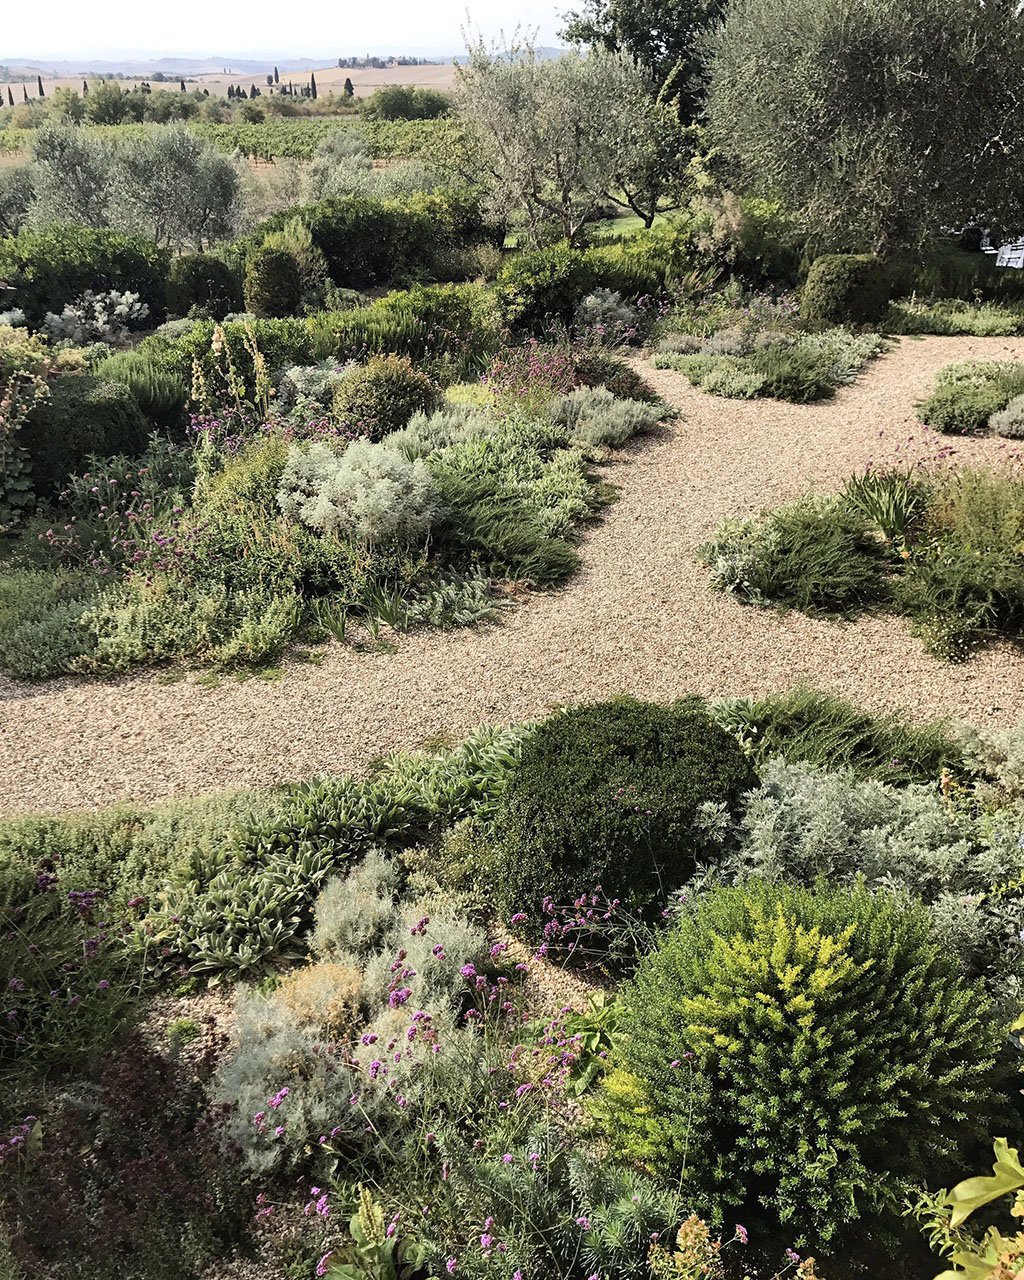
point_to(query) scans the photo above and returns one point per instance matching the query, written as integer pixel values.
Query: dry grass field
(366, 80)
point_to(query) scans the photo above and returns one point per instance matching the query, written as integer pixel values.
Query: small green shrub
(42, 617)
(536, 288)
(799, 1058)
(273, 283)
(829, 732)
(610, 794)
(153, 379)
(83, 416)
(845, 288)
(383, 395)
(200, 282)
(967, 396)
(600, 369)
(790, 373)
(593, 416)
(816, 555)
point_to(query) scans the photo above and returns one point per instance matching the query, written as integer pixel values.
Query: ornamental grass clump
(800, 1059)
(611, 794)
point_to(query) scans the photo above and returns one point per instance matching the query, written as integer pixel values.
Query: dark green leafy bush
(845, 288)
(800, 1059)
(203, 283)
(273, 283)
(383, 395)
(610, 794)
(545, 285)
(600, 369)
(83, 415)
(53, 267)
(789, 373)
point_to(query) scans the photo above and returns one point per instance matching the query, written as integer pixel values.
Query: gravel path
(638, 619)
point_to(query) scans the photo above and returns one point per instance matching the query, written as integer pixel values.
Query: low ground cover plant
(941, 548)
(744, 346)
(975, 397)
(399, 1081)
(294, 503)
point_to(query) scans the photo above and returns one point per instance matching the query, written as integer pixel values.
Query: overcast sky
(127, 28)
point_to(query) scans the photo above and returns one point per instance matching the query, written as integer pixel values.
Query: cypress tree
(42, 91)
(183, 86)
(24, 93)
(350, 88)
(312, 85)
(85, 88)
(10, 96)
(277, 78)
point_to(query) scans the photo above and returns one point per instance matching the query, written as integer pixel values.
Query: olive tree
(553, 140)
(70, 177)
(170, 186)
(874, 121)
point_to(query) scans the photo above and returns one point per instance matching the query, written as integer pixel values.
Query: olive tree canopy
(875, 121)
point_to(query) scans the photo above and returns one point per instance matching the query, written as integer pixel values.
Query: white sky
(69, 29)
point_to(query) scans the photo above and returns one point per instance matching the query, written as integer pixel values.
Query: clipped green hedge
(845, 288)
(203, 283)
(83, 415)
(53, 267)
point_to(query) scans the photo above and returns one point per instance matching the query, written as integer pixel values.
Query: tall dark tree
(277, 78)
(183, 86)
(270, 81)
(253, 91)
(667, 36)
(350, 88)
(312, 85)
(24, 93)
(39, 82)
(85, 88)
(10, 96)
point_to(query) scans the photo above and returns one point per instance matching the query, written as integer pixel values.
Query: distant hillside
(177, 67)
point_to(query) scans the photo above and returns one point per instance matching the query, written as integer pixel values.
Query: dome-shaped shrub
(800, 1060)
(845, 288)
(202, 282)
(383, 395)
(609, 794)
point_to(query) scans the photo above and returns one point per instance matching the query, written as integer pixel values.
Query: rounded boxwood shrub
(201, 282)
(798, 1060)
(382, 395)
(544, 285)
(845, 288)
(609, 794)
(273, 283)
(82, 416)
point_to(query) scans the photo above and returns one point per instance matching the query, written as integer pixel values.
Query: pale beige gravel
(640, 618)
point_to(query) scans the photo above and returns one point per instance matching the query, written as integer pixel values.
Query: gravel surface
(639, 618)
